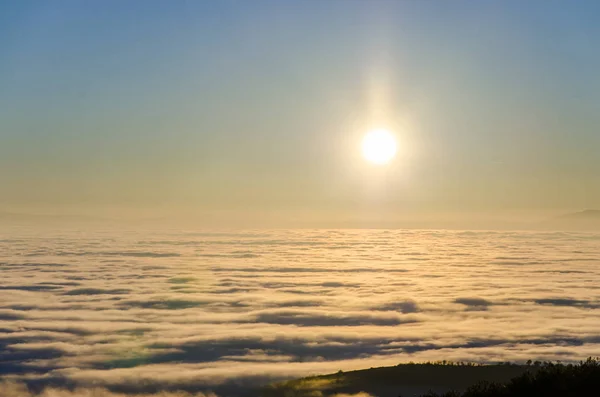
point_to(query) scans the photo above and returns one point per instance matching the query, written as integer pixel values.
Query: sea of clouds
(140, 312)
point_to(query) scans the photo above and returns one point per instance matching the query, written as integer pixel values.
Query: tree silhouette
(550, 380)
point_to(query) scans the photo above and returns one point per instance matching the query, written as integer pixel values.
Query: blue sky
(254, 106)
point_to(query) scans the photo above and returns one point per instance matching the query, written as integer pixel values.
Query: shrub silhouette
(546, 380)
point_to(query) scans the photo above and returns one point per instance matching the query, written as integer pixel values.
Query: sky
(254, 110)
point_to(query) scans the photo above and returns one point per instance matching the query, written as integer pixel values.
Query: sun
(379, 146)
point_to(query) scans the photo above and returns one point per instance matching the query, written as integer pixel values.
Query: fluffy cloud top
(139, 312)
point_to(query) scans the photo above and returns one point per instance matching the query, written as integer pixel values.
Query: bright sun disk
(379, 146)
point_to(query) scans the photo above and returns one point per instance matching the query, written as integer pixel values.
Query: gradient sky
(256, 108)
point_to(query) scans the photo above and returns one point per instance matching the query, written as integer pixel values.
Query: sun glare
(379, 146)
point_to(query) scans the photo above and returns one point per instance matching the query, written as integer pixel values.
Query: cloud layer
(147, 311)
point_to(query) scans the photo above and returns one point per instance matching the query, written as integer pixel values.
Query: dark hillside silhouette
(412, 379)
(549, 380)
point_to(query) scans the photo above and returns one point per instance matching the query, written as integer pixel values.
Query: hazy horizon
(231, 221)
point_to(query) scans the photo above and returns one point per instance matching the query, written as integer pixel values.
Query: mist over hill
(587, 220)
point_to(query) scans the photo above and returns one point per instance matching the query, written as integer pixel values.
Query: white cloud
(171, 309)
(15, 389)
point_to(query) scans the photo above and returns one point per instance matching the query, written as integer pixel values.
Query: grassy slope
(405, 380)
